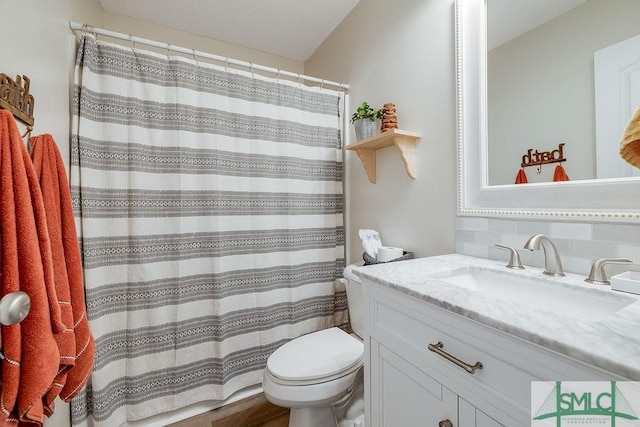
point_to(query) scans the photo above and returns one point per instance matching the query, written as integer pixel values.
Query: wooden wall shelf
(404, 140)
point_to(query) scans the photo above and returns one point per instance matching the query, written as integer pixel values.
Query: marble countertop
(611, 342)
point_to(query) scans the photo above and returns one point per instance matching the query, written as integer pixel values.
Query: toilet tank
(355, 300)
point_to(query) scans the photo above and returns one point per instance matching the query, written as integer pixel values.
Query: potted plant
(366, 121)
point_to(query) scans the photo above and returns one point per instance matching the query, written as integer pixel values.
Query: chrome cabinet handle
(445, 423)
(437, 349)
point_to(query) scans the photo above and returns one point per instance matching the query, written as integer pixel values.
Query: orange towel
(559, 174)
(76, 361)
(521, 178)
(30, 350)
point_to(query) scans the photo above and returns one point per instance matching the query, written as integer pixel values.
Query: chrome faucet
(552, 263)
(597, 275)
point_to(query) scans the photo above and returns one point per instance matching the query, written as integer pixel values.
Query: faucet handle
(514, 259)
(597, 275)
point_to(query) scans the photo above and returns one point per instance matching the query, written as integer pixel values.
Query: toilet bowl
(312, 372)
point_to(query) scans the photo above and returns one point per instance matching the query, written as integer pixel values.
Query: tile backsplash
(579, 244)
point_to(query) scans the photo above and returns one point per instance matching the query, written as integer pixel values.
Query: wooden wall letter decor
(15, 97)
(534, 158)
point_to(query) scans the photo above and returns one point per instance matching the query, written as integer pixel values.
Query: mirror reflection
(563, 80)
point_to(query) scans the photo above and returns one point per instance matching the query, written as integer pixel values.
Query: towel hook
(28, 132)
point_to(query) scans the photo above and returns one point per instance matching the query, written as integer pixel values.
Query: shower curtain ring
(226, 64)
(168, 50)
(86, 28)
(251, 69)
(195, 58)
(299, 80)
(321, 84)
(539, 169)
(278, 76)
(133, 43)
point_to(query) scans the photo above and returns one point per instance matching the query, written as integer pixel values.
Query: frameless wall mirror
(547, 80)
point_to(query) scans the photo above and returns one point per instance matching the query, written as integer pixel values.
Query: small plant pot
(366, 128)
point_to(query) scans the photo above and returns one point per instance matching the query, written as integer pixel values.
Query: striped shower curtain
(209, 206)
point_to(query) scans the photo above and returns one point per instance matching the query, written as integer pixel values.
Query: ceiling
(295, 28)
(509, 19)
(289, 28)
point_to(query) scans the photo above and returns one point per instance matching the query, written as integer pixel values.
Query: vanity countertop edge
(611, 343)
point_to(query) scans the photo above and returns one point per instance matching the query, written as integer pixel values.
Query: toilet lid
(317, 355)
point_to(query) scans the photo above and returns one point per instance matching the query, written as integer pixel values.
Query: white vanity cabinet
(404, 395)
(409, 385)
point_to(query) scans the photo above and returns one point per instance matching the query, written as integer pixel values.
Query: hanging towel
(559, 174)
(31, 353)
(76, 362)
(630, 144)
(521, 178)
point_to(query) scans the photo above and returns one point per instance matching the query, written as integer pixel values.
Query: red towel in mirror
(559, 174)
(521, 178)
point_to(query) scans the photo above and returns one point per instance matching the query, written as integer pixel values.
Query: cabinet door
(469, 416)
(403, 395)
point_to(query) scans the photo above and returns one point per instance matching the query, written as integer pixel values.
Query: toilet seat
(316, 357)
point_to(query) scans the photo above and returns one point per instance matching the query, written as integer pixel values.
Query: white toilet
(312, 372)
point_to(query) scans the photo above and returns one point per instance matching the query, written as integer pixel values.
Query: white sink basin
(541, 293)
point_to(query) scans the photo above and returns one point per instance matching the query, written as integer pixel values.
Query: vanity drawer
(503, 385)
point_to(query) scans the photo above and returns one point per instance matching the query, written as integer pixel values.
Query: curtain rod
(76, 26)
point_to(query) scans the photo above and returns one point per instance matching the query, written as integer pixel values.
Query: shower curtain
(209, 205)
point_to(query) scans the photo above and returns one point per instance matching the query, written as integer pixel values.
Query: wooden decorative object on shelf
(15, 97)
(389, 117)
(404, 140)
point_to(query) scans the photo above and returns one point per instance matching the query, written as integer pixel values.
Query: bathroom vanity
(456, 341)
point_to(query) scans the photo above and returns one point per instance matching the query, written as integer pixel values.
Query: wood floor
(253, 411)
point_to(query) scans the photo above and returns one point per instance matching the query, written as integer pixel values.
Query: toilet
(311, 373)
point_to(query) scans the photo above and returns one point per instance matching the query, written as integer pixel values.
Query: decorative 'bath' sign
(15, 97)
(535, 158)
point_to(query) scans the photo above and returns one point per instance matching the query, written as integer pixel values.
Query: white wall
(541, 89)
(401, 52)
(37, 42)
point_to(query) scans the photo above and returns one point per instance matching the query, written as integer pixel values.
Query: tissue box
(629, 281)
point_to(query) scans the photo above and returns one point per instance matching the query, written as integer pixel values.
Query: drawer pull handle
(445, 423)
(437, 349)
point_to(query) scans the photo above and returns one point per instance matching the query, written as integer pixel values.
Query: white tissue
(388, 253)
(370, 241)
